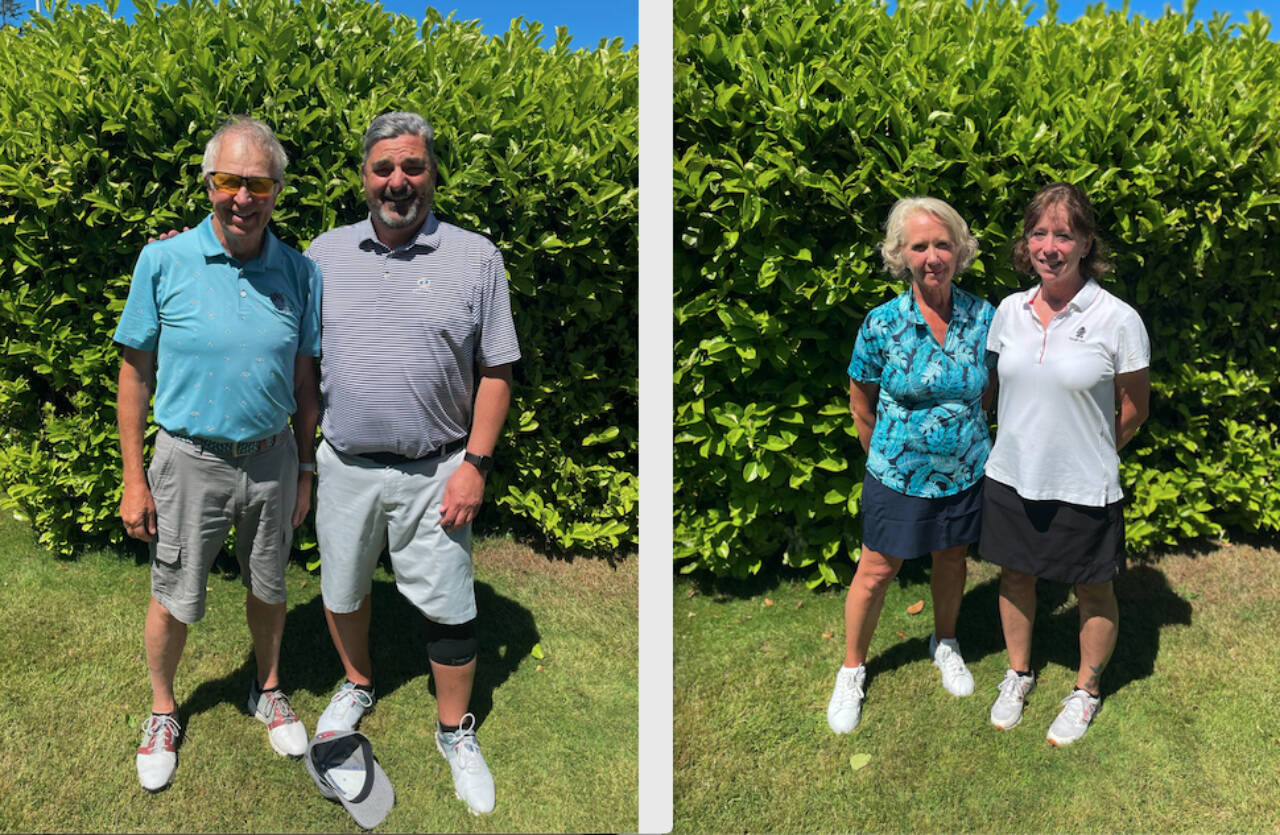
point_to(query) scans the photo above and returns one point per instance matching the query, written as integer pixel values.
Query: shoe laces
(159, 729)
(849, 689)
(463, 743)
(1080, 705)
(278, 709)
(354, 694)
(948, 658)
(1011, 687)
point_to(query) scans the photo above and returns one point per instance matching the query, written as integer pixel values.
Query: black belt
(233, 449)
(391, 459)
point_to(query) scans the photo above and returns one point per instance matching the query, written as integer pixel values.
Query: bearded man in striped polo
(415, 381)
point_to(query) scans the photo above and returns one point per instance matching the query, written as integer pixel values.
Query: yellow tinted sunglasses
(231, 183)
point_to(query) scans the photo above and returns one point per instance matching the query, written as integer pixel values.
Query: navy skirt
(1069, 543)
(906, 527)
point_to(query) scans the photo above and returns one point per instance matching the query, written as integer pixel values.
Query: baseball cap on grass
(344, 768)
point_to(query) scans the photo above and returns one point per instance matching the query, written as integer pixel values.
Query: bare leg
(1017, 615)
(453, 690)
(1099, 628)
(266, 625)
(946, 583)
(165, 637)
(350, 633)
(862, 605)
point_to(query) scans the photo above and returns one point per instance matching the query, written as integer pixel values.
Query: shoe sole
(1062, 743)
(1008, 727)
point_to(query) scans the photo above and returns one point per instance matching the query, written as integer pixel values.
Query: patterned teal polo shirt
(930, 437)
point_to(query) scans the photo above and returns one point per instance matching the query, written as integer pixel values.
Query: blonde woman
(918, 385)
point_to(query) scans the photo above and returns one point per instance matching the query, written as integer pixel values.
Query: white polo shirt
(1056, 434)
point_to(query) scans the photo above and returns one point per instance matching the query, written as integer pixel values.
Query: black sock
(368, 688)
(170, 713)
(446, 729)
(261, 689)
(1024, 673)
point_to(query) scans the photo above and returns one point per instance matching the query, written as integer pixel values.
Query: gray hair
(399, 123)
(895, 236)
(258, 132)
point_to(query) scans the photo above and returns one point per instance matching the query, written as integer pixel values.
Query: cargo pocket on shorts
(167, 554)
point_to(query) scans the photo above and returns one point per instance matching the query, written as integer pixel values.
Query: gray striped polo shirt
(402, 333)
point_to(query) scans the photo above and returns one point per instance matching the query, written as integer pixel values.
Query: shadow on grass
(1147, 604)
(308, 661)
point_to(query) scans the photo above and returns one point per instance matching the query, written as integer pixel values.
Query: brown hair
(1080, 214)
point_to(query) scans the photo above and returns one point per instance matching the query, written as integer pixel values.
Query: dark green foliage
(797, 127)
(102, 125)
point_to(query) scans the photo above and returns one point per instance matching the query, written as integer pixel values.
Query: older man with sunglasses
(228, 319)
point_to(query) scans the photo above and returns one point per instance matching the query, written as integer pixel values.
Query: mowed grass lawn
(1187, 739)
(559, 733)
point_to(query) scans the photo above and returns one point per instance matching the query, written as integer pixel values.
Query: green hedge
(102, 125)
(797, 127)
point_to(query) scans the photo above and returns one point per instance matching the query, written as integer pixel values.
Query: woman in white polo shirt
(1073, 389)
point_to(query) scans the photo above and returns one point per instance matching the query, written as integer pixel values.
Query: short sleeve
(497, 343)
(1133, 347)
(309, 327)
(867, 363)
(993, 330)
(140, 321)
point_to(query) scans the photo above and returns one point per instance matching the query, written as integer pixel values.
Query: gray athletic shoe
(945, 655)
(1006, 713)
(472, 782)
(844, 711)
(1078, 711)
(345, 709)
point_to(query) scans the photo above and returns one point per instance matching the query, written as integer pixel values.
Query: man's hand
(302, 504)
(138, 512)
(462, 497)
(167, 235)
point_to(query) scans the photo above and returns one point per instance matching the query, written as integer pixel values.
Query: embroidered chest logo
(1078, 336)
(281, 303)
(424, 283)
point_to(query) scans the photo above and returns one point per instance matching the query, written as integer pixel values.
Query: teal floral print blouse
(930, 437)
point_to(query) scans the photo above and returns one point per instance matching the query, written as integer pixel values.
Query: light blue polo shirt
(225, 334)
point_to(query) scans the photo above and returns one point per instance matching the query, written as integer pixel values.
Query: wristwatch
(483, 463)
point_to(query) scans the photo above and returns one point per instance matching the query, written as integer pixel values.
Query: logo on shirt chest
(424, 283)
(281, 303)
(1078, 336)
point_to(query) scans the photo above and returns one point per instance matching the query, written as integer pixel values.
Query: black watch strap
(483, 463)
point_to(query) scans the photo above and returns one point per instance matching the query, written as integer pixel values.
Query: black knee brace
(451, 644)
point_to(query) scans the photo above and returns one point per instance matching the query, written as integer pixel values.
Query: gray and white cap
(344, 768)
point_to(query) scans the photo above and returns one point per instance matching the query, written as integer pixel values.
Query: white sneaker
(285, 731)
(345, 709)
(158, 753)
(1078, 711)
(1006, 713)
(472, 782)
(844, 711)
(956, 677)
